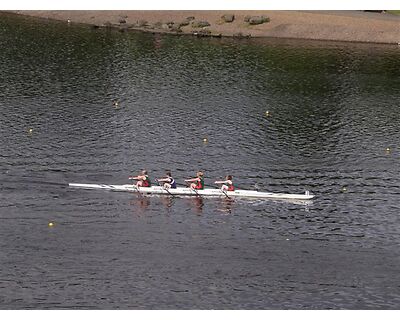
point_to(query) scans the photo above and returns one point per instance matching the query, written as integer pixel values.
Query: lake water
(333, 112)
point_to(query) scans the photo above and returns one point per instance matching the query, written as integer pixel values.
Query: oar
(225, 194)
(195, 191)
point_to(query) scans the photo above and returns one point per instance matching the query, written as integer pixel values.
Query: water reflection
(225, 206)
(167, 202)
(197, 204)
(141, 202)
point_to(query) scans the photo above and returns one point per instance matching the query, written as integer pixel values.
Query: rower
(168, 181)
(227, 184)
(143, 179)
(198, 182)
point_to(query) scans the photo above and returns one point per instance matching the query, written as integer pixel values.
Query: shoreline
(347, 26)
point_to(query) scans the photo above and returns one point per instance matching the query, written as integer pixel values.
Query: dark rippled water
(334, 109)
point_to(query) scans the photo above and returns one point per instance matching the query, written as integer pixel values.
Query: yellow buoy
(30, 130)
(51, 224)
(387, 149)
(205, 140)
(344, 189)
(267, 113)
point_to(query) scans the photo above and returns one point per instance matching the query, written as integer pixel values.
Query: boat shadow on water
(224, 206)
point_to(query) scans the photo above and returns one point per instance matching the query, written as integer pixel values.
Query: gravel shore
(353, 26)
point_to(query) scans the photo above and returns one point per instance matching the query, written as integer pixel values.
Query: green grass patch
(396, 12)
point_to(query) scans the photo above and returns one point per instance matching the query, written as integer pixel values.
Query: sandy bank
(316, 25)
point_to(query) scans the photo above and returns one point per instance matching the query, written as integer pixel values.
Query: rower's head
(144, 172)
(229, 177)
(168, 173)
(200, 173)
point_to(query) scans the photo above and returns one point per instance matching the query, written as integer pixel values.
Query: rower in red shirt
(143, 179)
(198, 182)
(227, 184)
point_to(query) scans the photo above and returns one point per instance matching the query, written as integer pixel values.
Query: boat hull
(190, 192)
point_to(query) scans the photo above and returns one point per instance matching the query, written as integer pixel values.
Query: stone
(158, 25)
(142, 23)
(184, 23)
(175, 28)
(258, 20)
(228, 17)
(240, 35)
(200, 24)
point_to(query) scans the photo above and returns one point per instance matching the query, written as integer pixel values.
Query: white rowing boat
(190, 192)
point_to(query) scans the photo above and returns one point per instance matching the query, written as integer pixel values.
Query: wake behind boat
(190, 192)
